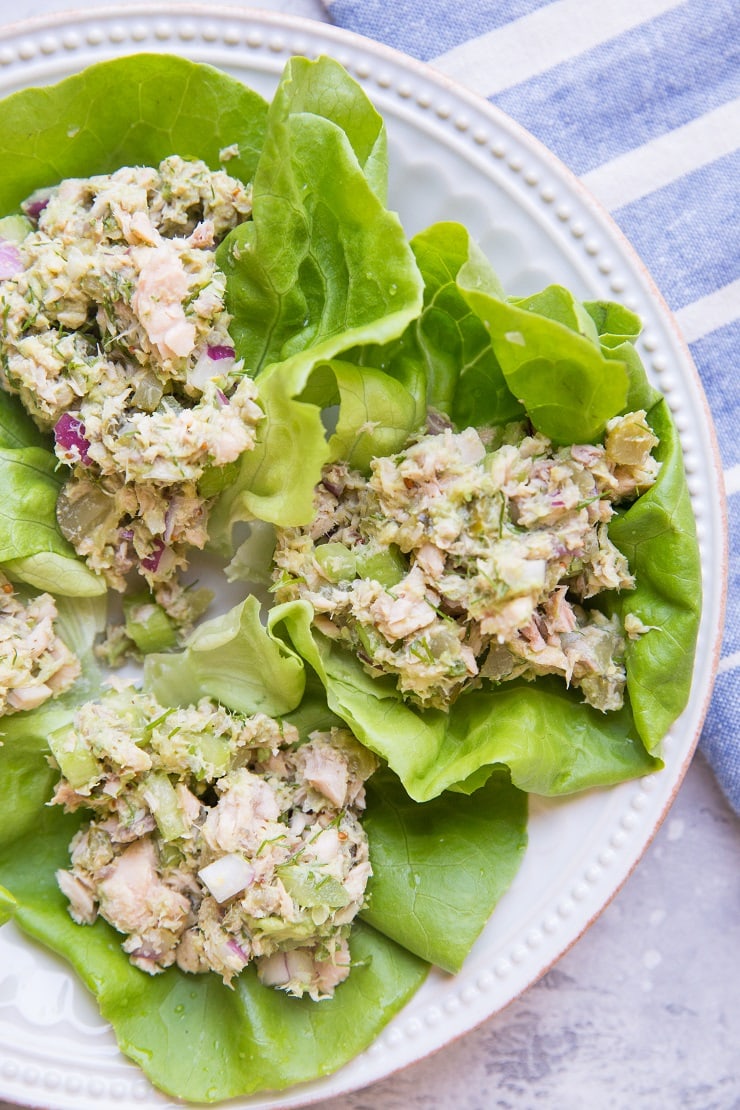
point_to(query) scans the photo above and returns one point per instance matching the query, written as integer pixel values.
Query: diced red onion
(205, 370)
(34, 208)
(237, 950)
(218, 352)
(224, 400)
(69, 433)
(151, 562)
(11, 262)
(126, 533)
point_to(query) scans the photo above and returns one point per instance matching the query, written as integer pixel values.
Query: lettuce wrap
(462, 852)
(568, 367)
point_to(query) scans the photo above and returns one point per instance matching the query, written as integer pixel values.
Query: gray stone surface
(643, 1013)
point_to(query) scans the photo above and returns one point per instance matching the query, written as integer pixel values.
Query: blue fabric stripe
(732, 621)
(634, 87)
(719, 738)
(426, 30)
(688, 233)
(716, 357)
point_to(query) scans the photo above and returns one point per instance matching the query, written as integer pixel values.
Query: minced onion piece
(216, 361)
(227, 876)
(278, 970)
(151, 562)
(35, 205)
(11, 262)
(69, 434)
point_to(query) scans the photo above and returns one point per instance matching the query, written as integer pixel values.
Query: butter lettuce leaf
(130, 111)
(446, 353)
(32, 549)
(549, 351)
(550, 741)
(658, 536)
(439, 869)
(322, 266)
(17, 429)
(234, 659)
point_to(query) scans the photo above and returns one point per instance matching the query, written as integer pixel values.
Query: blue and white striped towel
(641, 98)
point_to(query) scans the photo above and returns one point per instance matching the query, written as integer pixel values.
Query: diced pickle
(78, 517)
(148, 393)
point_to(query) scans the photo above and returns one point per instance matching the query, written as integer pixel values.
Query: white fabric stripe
(544, 38)
(729, 663)
(732, 480)
(657, 163)
(709, 313)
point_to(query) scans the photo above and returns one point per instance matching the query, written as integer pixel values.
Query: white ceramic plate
(453, 156)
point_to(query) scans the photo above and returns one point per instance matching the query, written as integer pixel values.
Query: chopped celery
(76, 762)
(386, 567)
(278, 929)
(160, 796)
(148, 625)
(336, 562)
(214, 754)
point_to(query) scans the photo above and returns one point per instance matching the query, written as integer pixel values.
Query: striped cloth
(641, 98)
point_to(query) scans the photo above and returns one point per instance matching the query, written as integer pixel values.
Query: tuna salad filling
(35, 663)
(471, 556)
(115, 337)
(216, 839)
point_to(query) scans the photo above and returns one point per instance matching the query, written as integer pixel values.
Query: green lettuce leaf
(17, 429)
(440, 868)
(447, 341)
(134, 110)
(32, 549)
(550, 741)
(617, 329)
(191, 1035)
(321, 267)
(234, 659)
(548, 348)
(658, 536)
